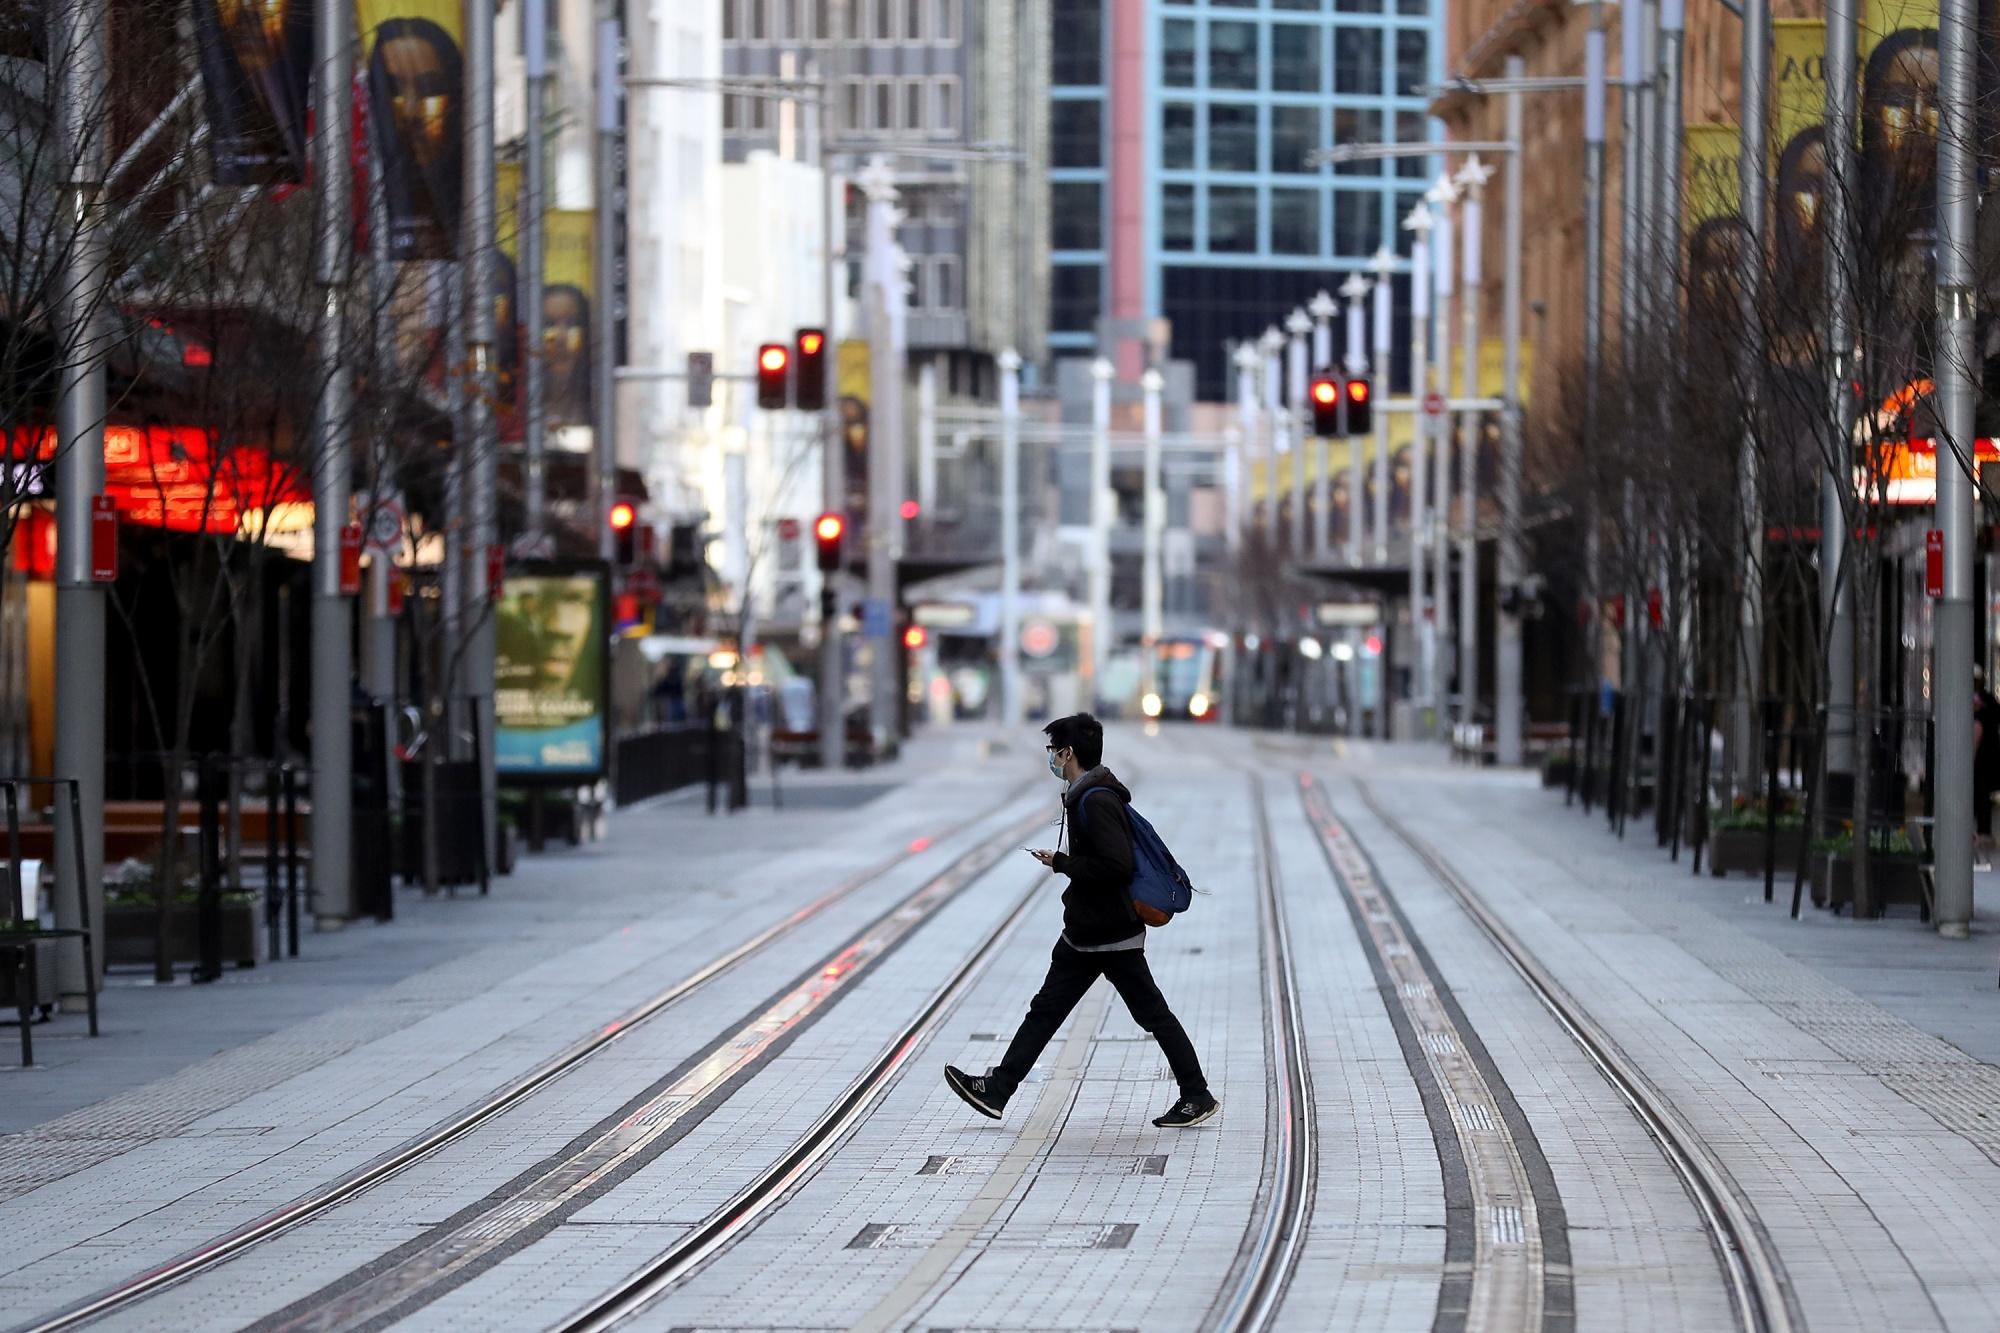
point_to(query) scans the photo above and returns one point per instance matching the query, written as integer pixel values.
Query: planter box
(128, 934)
(1741, 851)
(1895, 880)
(1557, 773)
(11, 983)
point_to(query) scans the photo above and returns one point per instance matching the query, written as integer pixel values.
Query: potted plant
(1899, 870)
(131, 904)
(1557, 765)
(1736, 837)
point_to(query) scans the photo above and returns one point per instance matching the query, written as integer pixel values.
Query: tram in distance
(1188, 679)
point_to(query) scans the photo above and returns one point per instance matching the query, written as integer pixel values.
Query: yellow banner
(566, 316)
(416, 114)
(851, 381)
(1798, 77)
(1713, 188)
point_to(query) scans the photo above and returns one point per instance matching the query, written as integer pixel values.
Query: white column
(1419, 223)
(1442, 196)
(1322, 309)
(1384, 264)
(1355, 362)
(1155, 516)
(926, 439)
(1101, 372)
(1246, 359)
(882, 280)
(1298, 324)
(1472, 178)
(1277, 437)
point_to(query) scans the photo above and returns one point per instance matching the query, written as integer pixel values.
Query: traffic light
(774, 363)
(914, 637)
(1325, 397)
(1360, 406)
(827, 534)
(624, 533)
(809, 381)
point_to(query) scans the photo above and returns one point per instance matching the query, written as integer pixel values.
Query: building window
(947, 106)
(1298, 4)
(1371, 6)
(917, 297)
(944, 283)
(913, 103)
(1411, 127)
(913, 20)
(730, 113)
(1357, 125)
(760, 28)
(1357, 222)
(1295, 57)
(1176, 53)
(822, 21)
(1177, 217)
(1232, 55)
(885, 104)
(1177, 136)
(1357, 61)
(1074, 297)
(1076, 133)
(732, 22)
(1294, 134)
(1295, 222)
(788, 16)
(885, 20)
(1078, 60)
(1075, 216)
(857, 21)
(854, 99)
(1232, 219)
(945, 29)
(1232, 137)
(1412, 61)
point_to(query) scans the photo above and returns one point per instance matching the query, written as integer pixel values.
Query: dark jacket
(1097, 905)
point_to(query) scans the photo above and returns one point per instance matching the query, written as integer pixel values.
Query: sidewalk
(379, 977)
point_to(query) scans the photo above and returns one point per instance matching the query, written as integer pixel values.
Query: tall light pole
(1247, 360)
(1101, 374)
(604, 273)
(1384, 264)
(1323, 308)
(80, 30)
(1442, 196)
(1471, 180)
(885, 391)
(1153, 515)
(1356, 290)
(482, 465)
(534, 270)
(1419, 223)
(1507, 682)
(1010, 537)
(1951, 704)
(1593, 315)
(1634, 80)
(1836, 592)
(1276, 438)
(1298, 325)
(333, 438)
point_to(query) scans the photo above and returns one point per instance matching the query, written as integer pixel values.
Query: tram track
(241, 1240)
(1760, 1292)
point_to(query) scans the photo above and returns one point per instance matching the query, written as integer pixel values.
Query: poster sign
(103, 539)
(851, 383)
(1934, 562)
(416, 115)
(567, 355)
(256, 72)
(551, 683)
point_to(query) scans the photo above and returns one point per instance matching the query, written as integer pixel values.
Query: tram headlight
(1198, 706)
(1150, 705)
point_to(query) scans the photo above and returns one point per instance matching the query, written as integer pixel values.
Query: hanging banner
(416, 113)
(256, 69)
(851, 370)
(507, 310)
(1897, 191)
(550, 682)
(566, 318)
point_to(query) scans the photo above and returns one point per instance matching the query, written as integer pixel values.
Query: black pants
(1071, 972)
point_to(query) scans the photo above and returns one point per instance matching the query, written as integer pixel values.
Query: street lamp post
(1246, 358)
(1356, 290)
(1153, 515)
(1298, 325)
(1276, 440)
(1322, 308)
(1419, 223)
(1384, 264)
(1471, 179)
(1442, 195)
(1101, 373)
(1010, 537)
(881, 293)
(1507, 682)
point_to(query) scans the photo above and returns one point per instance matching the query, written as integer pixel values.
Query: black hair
(1080, 733)
(423, 206)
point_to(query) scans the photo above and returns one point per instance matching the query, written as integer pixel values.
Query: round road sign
(1433, 404)
(1039, 638)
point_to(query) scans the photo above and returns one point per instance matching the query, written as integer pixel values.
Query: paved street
(1482, 1064)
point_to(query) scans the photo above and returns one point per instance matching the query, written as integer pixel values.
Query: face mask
(1055, 765)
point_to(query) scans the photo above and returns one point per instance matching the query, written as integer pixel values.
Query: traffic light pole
(604, 336)
(1472, 178)
(1420, 223)
(1297, 326)
(833, 462)
(1154, 516)
(1356, 290)
(1101, 373)
(1384, 265)
(1442, 196)
(482, 465)
(1010, 537)
(1836, 586)
(1507, 682)
(534, 199)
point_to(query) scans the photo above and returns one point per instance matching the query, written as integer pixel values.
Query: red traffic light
(829, 527)
(623, 516)
(914, 637)
(1358, 390)
(774, 364)
(772, 358)
(1324, 391)
(810, 341)
(909, 510)
(1325, 395)
(809, 373)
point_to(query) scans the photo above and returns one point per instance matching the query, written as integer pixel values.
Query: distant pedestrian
(1102, 934)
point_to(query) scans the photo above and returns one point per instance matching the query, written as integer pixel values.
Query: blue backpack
(1161, 890)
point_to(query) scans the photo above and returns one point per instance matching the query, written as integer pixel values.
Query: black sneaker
(977, 1091)
(1189, 1111)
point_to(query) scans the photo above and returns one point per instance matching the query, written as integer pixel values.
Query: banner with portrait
(851, 388)
(566, 350)
(551, 680)
(1896, 196)
(415, 85)
(256, 73)
(507, 294)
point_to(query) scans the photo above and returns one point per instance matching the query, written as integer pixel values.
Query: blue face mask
(1055, 765)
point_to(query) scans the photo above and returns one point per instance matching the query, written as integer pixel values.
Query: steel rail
(231, 1244)
(1759, 1288)
(1281, 1232)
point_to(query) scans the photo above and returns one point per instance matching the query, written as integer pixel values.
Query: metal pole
(482, 463)
(1010, 537)
(1836, 593)
(1276, 439)
(80, 29)
(1154, 517)
(1246, 358)
(1419, 223)
(1633, 79)
(1298, 325)
(1593, 319)
(534, 269)
(926, 438)
(1957, 199)
(333, 759)
(833, 461)
(1322, 308)
(1472, 178)
(604, 275)
(1384, 263)
(1755, 118)
(1509, 703)
(1101, 372)
(885, 389)
(1442, 196)
(1355, 289)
